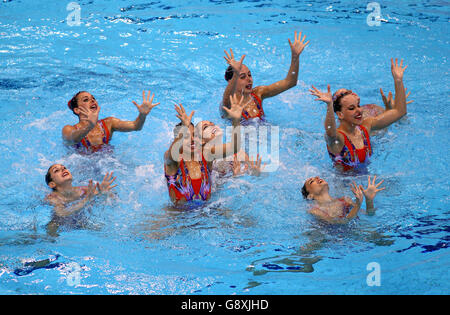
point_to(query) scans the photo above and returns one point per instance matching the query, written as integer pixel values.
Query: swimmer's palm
(147, 104)
(298, 45)
(322, 96)
(237, 106)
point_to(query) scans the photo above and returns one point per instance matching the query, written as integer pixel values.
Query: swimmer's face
(350, 109)
(86, 101)
(245, 81)
(189, 141)
(316, 186)
(209, 131)
(59, 175)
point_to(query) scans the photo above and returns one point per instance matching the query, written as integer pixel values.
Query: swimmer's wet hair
(337, 107)
(178, 127)
(305, 192)
(229, 73)
(73, 103)
(48, 176)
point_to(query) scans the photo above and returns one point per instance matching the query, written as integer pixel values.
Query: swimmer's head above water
(82, 99)
(208, 131)
(346, 106)
(57, 174)
(190, 141)
(245, 80)
(313, 187)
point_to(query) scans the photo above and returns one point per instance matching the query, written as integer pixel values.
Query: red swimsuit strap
(106, 131)
(366, 134)
(259, 105)
(106, 134)
(349, 145)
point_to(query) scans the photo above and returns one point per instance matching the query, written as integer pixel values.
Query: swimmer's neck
(348, 128)
(67, 190)
(323, 198)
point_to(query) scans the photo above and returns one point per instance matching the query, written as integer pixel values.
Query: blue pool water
(254, 236)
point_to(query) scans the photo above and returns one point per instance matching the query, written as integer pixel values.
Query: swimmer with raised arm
(93, 134)
(349, 144)
(188, 164)
(373, 110)
(240, 81)
(68, 199)
(241, 162)
(339, 210)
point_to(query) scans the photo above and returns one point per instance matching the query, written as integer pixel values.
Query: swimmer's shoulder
(53, 198)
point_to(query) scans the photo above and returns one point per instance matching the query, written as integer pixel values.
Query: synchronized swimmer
(196, 150)
(93, 134)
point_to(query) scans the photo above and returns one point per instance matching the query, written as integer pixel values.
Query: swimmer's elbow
(68, 134)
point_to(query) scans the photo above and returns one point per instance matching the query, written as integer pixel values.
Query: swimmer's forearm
(292, 76)
(76, 133)
(370, 209)
(62, 211)
(236, 140)
(139, 122)
(354, 212)
(230, 90)
(174, 152)
(400, 97)
(330, 122)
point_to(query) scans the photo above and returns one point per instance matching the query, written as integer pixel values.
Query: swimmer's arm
(127, 126)
(318, 213)
(292, 76)
(144, 109)
(172, 156)
(356, 206)
(266, 91)
(222, 151)
(399, 109)
(230, 90)
(74, 134)
(370, 208)
(60, 208)
(88, 120)
(231, 87)
(334, 140)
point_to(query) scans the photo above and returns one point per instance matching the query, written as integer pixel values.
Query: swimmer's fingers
(242, 59)
(231, 53)
(383, 96)
(378, 185)
(136, 104)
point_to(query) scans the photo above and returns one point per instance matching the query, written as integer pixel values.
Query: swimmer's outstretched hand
(233, 63)
(105, 185)
(298, 45)
(358, 192)
(397, 70)
(322, 96)
(90, 190)
(237, 106)
(185, 119)
(389, 101)
(255, 167)
(147, 104)
(91, 116)
(372, 188)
